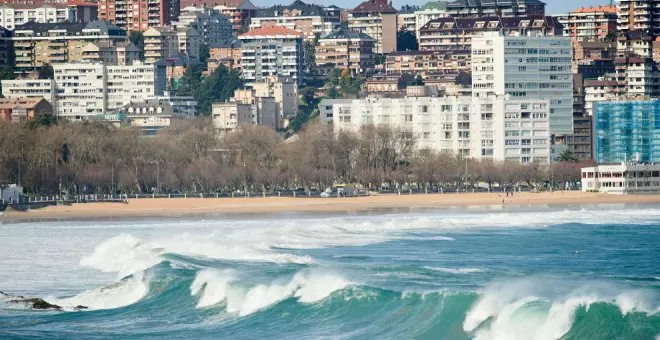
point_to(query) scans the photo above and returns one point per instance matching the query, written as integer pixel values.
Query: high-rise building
(136, 15)
(589, 23)
(531, 67)
(377, 19)
(639, 15)
(627, 131)
(271, 51)
(493, 8)
(495, 127)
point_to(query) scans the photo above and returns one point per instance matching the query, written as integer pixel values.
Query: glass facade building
(627, 131)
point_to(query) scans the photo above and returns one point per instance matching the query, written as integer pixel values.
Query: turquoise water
(578, 273)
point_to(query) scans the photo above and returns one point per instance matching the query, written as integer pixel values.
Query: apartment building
(13, 15)
(84, 10)
(531, 67)
(589, 23)
(285, 92)
(38, 44)
(626, 131)
(148, 115)
(30, 88)
(346, 49)
(271, 51)
(377, 19)
(159, 44)
(604, 89)
(426, 63)
(494, 8)
(456, 34)
(239, 12)
(88, 91)
(495, 127)
(428, 12)
(263, 110)
(121, 53)
(311, 21)
(228, 55)
(228, 116)
(406, 21)
(587, 50)
(213, 27)
(639, 15)
(136, 15)
(638, 77)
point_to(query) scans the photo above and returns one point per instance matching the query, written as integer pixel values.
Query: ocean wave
(454, 270)
(115, 295)
(214, 286)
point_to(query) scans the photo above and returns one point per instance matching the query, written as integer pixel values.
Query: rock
(79, 307)
(37, 303)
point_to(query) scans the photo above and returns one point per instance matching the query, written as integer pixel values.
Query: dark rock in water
(79, 307)
(37, 303)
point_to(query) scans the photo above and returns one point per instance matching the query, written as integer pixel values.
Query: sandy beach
(174, 207)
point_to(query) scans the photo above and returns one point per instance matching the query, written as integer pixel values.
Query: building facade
(285, 92)
(271, 51)
(122, 53)
(30, 88)
(590, 23)
(527, 68)
(627, 130)
(639, 15)
(312, 21)
(426, 63)
(346, 50)
(621, 179)
(136, 15)
(486, 8)
(495, 128)
(377, 19)
(16, 15)
(17, 110)
(228, 55)
(228, 116)
(36, 45)
(239, 12)
(214, 28)
(428, 12)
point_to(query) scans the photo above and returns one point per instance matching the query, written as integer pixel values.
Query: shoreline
(191, 207)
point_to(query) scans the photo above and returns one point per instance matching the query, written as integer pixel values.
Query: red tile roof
(596, 9)
(271, 30)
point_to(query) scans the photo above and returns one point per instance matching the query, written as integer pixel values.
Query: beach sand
(174, 207)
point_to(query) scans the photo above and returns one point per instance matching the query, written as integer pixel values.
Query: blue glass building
(626, 129)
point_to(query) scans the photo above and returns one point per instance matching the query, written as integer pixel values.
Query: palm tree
(568, 156)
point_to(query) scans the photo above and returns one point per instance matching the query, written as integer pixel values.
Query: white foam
(455, 270)
(241, 299)
(534, 309)
(123, 254)
(115, 295)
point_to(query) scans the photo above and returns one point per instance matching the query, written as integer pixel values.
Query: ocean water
(544, 273)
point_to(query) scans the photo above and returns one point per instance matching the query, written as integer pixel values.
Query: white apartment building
(426, 14)
(86, 91)
(15, 15)
(601, 90)
(309, 26)
(494, 127)
(30, 88)
(227, 116)
(271, 51)
(528, 67)
(406, 21)
(285, 92)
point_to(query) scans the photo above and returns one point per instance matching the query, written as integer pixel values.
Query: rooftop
(489, 23)
(271, 31)
(492, 3)
(345, 35)
(375, 6)
(301, 9)
(26, 103)
(596, 9)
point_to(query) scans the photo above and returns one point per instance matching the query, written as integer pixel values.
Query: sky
(553, 6)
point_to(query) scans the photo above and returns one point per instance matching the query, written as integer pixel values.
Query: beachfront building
(37, 44)
(346, 49)
(589, 23)
(12, 15)
(486, 8)
(621, 179)
(136, 15)
(377, 19)
(495, 127)
(530, 67)
(312, 21)
(627, 130)
(271, 51)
